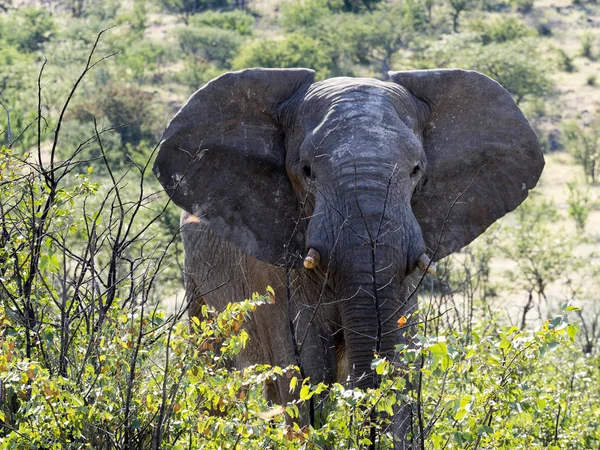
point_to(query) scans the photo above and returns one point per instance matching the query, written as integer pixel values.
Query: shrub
(565, 62)
(296, 50)
(584, 144)
(591, 80)
(28, 28)
(128, 109)
(587, 46)
(579, 208)
(144, 58)
(213, 44)
(523, 6)
(296, 16)
(516, 65)
(502, 30)
(187, 8)
(237, 21)
(196, 72)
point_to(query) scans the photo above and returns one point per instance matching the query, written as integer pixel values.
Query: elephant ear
(482, 155)
(222, 159)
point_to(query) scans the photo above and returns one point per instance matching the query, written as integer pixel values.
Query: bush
(95, 363)
(237, 21)
(579, 208)
(588, 46)
(523, 6)
(196, 72)
(28, 28)
(128, 109)
(144, 58)
(591, 80)
(515, 65)
(296, 50)
(565, 62)
(187, 8)
(584, 144)
(213, 44)
(502, 30)
(296, 16)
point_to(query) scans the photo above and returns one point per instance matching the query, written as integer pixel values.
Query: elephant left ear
(222, 159)
(483, 157)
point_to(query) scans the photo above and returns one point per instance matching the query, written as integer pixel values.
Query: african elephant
(333, 192)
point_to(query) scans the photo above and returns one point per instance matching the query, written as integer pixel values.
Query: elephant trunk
(368, 309)
(370, 241)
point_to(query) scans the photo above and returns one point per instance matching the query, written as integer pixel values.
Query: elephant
(336, 193)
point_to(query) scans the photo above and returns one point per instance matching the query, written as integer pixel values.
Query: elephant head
(365, 175)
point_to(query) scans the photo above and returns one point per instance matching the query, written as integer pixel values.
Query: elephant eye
(306, 171)
(416, 170)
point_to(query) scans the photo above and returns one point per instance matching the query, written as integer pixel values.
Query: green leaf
(305, 393)
(541, 403)
(380, 366)
(555, 322)
(572, 331)
(293, 383)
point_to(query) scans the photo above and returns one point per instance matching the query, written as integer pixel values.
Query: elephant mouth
(313, 259)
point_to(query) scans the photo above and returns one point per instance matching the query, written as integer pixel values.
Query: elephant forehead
(350, 102)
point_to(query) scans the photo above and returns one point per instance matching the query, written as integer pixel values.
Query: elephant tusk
(425, 264)
(312, 259)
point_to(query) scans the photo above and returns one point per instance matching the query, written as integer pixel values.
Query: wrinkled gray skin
(267, 163)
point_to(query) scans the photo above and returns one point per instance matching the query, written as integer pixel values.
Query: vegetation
(584, 144)
(94, 351)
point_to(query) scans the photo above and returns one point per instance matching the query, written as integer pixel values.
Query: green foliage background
(93, 356)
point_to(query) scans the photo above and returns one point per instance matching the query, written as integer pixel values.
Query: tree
(516, 65)
(28, 29)
(429, 4)
(542, 252)
(187, 8)
(360, 5)
(296, 50)
(584, 144)
(458, 6)
(237, 21)
(213, 44)
(375, 37)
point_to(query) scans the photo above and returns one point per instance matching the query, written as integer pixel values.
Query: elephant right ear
(222, 159)
(483, 157)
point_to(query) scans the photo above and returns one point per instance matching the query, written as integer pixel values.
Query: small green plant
(565, 62)
(579, 208)
(588, 46)
(591, 80)
(584, 144)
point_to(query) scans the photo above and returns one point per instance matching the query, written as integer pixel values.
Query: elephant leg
(215, 271)
(292, 332)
